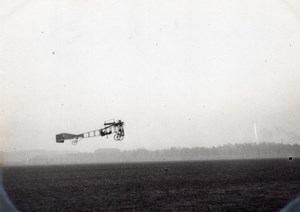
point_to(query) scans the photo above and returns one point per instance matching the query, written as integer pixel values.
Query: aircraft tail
(60, 138)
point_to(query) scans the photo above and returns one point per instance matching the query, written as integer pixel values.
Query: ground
(231, 185)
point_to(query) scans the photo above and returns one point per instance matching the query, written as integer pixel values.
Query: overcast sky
(178, 73)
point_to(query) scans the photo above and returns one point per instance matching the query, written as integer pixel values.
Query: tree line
(228, 151)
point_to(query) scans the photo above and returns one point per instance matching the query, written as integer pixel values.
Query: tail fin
(60, 138)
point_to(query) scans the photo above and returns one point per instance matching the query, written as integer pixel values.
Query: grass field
(232, 185)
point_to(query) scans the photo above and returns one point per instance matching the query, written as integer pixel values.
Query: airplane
(110, 127)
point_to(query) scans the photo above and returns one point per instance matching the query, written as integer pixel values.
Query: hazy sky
(178, 73)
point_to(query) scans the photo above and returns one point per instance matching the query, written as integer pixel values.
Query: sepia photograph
(158, 105)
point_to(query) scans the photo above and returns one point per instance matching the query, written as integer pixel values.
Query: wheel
(117, 137)
(74, 142)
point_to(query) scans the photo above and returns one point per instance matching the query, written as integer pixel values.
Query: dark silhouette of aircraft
(110, 127)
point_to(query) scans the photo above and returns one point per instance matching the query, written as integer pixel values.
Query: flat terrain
(232, 185)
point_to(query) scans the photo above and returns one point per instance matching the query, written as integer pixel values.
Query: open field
(232, 185)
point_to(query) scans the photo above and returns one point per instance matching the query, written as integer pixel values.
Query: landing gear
(119, 133)
(118, 137)
(75, 141)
